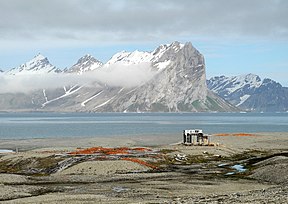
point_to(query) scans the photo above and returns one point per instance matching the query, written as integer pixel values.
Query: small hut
(195, 137)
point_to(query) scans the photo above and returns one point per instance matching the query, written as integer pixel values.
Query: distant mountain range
(250, 93)
(175, 82)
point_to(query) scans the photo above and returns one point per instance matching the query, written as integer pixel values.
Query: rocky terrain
(251, 93)
(84, 64)
(237, 168)
(172, 78)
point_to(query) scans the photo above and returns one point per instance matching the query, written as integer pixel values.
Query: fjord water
(53, 125)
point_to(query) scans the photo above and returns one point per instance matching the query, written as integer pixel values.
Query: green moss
(183, 107)
(29, 165)
(213, 105)
(200, 106)
(166, 151)
(196, 104)
(159, 107)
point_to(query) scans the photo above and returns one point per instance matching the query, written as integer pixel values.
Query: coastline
(182, 174)
(260, 140)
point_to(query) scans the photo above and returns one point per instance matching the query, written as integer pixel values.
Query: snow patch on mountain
(89, 99)
(106, 102)
(162, 65)
(44, 94)
(154, 57)
(253, 81)
(243, 99)
(71, 91)
(128, 58)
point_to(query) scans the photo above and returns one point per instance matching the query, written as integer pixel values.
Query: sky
(235, 36)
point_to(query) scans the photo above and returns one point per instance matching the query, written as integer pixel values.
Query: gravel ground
(111, 182)
(104, 168)
(275, 195)
(272, 170)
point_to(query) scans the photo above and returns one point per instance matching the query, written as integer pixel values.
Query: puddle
(230, 173)
(239, 169)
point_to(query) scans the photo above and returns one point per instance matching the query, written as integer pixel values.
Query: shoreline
(142, 140)
(110, 141)
(146, 170)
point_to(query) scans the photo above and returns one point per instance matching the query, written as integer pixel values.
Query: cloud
(114, 75)
(128, 20)
(122, 75)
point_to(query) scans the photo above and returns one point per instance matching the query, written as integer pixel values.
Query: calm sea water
(51, 125)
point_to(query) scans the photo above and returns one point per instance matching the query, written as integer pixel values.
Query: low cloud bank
(114, 75)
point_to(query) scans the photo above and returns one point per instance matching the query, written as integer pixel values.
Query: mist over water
(53, 125)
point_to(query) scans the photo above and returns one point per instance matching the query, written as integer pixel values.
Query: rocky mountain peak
(86, 58)
(38, 64)
(84, 64)
(154, 57)
(39, 57)
(130, 58)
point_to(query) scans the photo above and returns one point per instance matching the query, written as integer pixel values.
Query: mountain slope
(250, 93)
(177, 83)
(85, 64)
(180, 85)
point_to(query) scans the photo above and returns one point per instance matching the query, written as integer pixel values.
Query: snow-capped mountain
(235, 89)
(39, 64)
(178, 84)
(128, 58)
(85, 64)
(250, 93)
(154, 57)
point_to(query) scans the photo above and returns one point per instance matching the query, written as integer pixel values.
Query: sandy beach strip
(264, 140)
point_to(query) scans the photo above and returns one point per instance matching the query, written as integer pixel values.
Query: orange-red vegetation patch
(243, 134)
(142, 149)
(109, 151)
(116, 152)
(140, 162)
(222, 134)
(236, 134)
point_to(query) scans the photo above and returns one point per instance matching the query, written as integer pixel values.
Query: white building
(195, 137)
